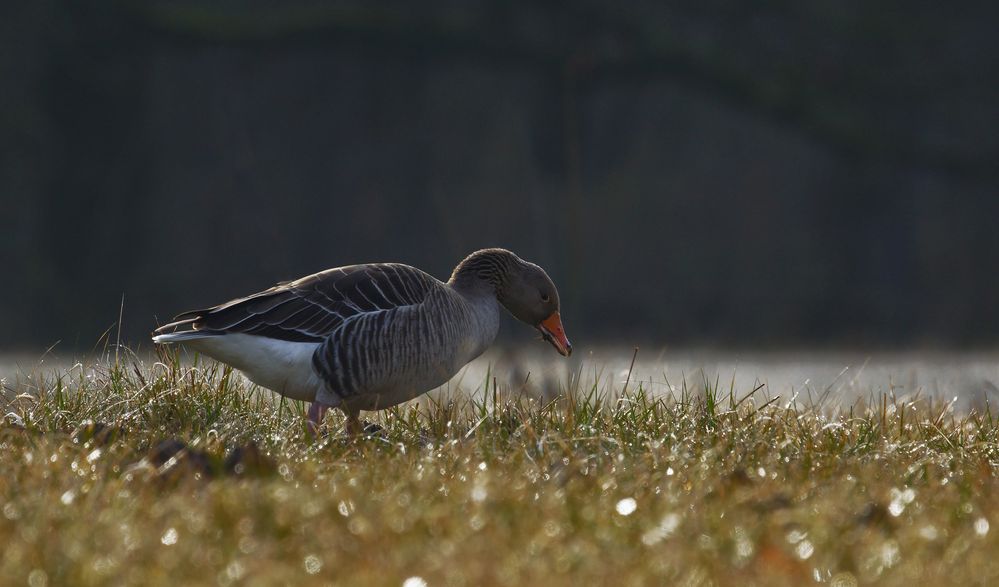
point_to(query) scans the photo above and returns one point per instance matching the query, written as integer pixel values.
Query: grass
(133, 473)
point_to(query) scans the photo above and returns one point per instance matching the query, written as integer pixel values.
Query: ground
(146, 472)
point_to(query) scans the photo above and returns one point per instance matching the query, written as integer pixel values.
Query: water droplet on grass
(414, 582)
(626, 506)
(38, 578)
(981, 526)
(479, 493)
(10, 511)
(665, 529)
(313, 564)
(169, 537)
(900, 498)
(890, 554)
(843, 580)
(235, 570)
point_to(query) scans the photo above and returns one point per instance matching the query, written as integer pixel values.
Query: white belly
(278, 365)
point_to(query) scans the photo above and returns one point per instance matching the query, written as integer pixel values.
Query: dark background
(785, 174)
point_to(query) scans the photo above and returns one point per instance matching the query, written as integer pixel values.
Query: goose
(371, 336)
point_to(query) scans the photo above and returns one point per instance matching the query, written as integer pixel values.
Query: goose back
(310, 308)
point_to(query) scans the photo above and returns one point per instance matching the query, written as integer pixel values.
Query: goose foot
(372, 429)
(355, 427)
(352, 426)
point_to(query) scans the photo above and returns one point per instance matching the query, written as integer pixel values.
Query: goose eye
(545, 298)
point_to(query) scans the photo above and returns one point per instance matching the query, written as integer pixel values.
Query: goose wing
(310, 308)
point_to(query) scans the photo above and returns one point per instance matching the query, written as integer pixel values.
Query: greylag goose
(368, 337)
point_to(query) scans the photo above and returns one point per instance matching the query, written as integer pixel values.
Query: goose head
(521, 287)
(531, 296)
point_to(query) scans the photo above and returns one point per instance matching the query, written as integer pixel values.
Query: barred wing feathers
(310, 308)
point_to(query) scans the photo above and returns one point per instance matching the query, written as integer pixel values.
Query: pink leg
(316, 412)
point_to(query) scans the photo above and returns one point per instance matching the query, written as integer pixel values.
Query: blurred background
(810, 174)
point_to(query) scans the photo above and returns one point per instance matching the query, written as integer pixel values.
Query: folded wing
(310, 308)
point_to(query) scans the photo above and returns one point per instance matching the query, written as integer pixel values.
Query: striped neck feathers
(485, 270)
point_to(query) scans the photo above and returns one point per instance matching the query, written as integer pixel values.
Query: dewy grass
(126, 473)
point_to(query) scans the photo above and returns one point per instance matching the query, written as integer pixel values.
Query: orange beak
(551, 329)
